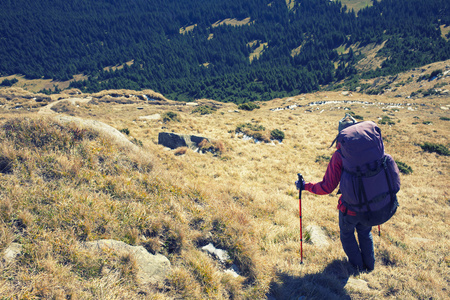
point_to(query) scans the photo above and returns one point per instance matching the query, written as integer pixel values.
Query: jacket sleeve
(331, 178)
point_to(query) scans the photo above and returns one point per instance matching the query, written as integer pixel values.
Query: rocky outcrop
(173, 140)
(115, 135)
(151, 268)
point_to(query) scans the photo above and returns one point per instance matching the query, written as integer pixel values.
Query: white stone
(222, 255)
(11, 252)
(317, 236)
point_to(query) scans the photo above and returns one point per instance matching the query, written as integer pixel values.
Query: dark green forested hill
(57, 39)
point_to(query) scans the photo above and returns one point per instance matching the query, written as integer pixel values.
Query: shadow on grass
(328, 284)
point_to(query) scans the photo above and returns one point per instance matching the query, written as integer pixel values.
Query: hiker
(361, 256)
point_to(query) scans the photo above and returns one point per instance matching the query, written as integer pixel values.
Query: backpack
(370, 179)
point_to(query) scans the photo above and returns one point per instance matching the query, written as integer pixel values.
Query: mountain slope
(56, 40)
(64, 184)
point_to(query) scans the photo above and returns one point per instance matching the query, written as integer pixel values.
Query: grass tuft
(435, 148)
(404, 168)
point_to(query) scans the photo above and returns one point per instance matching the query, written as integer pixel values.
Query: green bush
(277, 134)
(358, 117)
(249, 126)
(204, 110)
(8, 82)
(125, 130)
(444, 118)
(386, 120)
(323, 159)
(436, 148)
(170, 116)
(248, 106)
(404, 168)
(255, 131)
(137, 142)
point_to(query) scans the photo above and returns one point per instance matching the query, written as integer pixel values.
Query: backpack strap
(385, 167)
(362, 191)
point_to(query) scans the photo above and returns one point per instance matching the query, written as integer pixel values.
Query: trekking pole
(300, 179)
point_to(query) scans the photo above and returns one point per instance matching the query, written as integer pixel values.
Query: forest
(57, 39)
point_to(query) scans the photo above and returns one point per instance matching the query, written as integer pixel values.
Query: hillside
(231, 51)
(66, 182)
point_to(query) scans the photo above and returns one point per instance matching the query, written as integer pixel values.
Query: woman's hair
(345, 122)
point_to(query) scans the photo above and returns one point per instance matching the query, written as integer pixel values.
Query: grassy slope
(60, 194)
(356, 5)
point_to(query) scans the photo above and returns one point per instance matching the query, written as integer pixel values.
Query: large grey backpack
(370, 179)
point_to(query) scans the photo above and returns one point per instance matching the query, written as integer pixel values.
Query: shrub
(323, 158)
(444, 118)
(255, 131)
(125, 130)
(8, 82)
(248, 106)
(137, 142)
(404, 168)
(277, 135)
(170, 116)
(243, 127)
(436, 148)
(386, 120)
(204, 110)
(358, 117)
(213, 146)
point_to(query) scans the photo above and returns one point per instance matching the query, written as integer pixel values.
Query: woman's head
(346, 121)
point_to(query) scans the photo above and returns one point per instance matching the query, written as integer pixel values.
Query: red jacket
(330, 181)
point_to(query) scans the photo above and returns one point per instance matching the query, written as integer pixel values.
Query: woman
(361, 255)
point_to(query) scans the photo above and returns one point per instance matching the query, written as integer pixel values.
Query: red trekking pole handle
(300, 179)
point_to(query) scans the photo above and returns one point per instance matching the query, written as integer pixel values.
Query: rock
(12, 252)
(115, 135)
(421, 240)
(151, 268)
(173, 140)
(222, 255)
(151, 117)
(317, 236)
(233, 271)
(357, 285)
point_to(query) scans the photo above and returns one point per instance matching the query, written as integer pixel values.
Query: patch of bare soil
(371, 61)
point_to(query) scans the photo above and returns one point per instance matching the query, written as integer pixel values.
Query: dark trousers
(361, 256)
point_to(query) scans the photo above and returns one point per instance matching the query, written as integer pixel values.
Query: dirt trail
(48, 108)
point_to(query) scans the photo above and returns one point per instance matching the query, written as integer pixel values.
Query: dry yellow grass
(242, 200)
(232, 22)
(36, 85)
